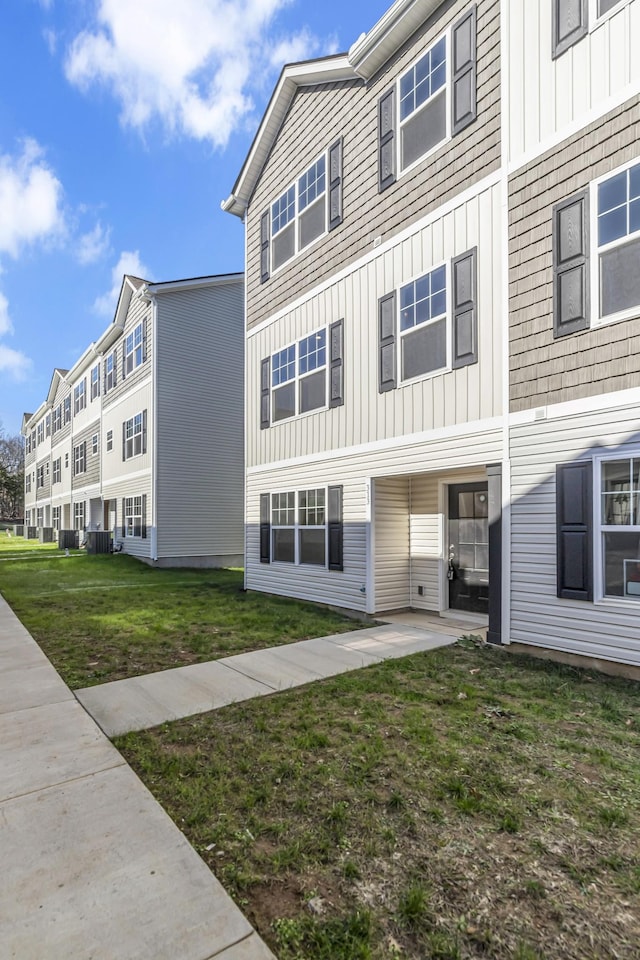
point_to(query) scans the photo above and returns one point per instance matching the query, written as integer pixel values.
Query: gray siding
(92, 474)
(42, 493)
(320, 114)
(200, 411)
(139, 311)
(593, 362)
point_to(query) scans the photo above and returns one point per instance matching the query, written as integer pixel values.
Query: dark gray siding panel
(92, 474)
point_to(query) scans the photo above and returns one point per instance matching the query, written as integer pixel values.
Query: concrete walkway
(142, 702)
(92, 868)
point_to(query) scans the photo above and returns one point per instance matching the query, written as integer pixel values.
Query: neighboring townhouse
(574, 318)
(442, 263)
(372, 197)
(146, 429)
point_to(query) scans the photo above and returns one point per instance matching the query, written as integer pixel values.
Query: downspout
(154, 458)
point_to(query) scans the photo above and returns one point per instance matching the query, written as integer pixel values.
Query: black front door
(468, 569)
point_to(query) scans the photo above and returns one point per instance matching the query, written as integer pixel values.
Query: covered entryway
(468, 550)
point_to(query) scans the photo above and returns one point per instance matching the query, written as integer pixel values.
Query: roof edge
(372, 49)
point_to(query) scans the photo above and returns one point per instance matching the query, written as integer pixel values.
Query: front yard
(101, 618)
(463, 803)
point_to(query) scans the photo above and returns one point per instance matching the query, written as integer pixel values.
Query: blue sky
(123, 125)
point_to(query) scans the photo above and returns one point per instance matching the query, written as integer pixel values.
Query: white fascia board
(372, 50)
(155, 289)
(294, 75)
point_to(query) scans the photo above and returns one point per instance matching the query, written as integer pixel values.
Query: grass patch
(413, 822)
(101, 618)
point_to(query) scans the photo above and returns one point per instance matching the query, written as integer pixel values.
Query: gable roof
(367, 55)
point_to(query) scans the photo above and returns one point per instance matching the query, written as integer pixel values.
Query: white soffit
(372, 50)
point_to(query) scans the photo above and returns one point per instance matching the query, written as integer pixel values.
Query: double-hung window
(57, 471)
(133, 436)
(55, 518)
(616, 274)
(40, 517)
(40, 432)
(80, 458)
(79, 397)
(133, 516)
(299, 215)
(94, 444)
(95, 381)
(78, 516)
(109, 441)
(27, 482)
(48, 425)
(424, 330)
(40, 476)
(67, 410)
(298, 527)
(57, 418)
(134, 349)
(619, 481)
(299, 377)
(110, 372)
(424, 107)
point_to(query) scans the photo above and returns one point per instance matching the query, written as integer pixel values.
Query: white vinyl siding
(441, 400)
(391, 521)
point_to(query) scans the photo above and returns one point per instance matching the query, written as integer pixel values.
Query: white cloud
(12, 362)
(93, 245)
(51, 40)
(191, 65)
(30, 200)
(130, 263)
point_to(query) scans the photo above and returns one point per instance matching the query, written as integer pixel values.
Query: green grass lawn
(101, 618)
(463, 803)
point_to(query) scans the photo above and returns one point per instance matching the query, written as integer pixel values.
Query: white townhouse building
(143, 437)
(442, 301)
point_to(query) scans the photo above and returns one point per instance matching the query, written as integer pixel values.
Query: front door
(468, 568)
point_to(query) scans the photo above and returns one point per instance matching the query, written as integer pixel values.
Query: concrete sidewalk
(142, 702)
(92, 868)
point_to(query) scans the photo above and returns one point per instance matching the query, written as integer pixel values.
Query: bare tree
(11, 476)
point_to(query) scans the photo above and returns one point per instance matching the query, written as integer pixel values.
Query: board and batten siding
(544, 370)
(442, 400)
(609, 629)
(321, 113)
(432, 455)
(547, 95)
(200, 410)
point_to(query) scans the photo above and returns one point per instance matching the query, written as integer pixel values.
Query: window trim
(599, 595)
(274, 271)
(448, 316)
(80, 397)
(95, 444)
(110, 375)
(298, 377)
(297, 527)
(94, 389)
(132, 516)
(77, 513)
(596, 20)
(109, 441)
(134, 347)
(401, 171)
(132, 439)
(56, 472)
(595, 320)
(80, 459)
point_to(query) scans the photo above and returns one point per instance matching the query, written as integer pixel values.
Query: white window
(67, 409)
(55, 518)
(601, 8)
(133, 437)
(615, 276)
(95, 381)
(110, 372)
(79, 397)
(40, 476)
(299, 377)
(80, 459)
(46, 468)
(618, 481)
(298, 527)
(78, 516)
(27, 482)
(299, 215)
(133, 516)
(41, 432)
(424, 325)
(94, 444)
(57, 418)
(134, 349)
(424, 106)
(109, 440)
(48, 425)
(40, 517)
(27, 444)
(66, 461)
(57, 471)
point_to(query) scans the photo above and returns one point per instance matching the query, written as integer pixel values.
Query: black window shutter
(574, 530)
(144, 340)
(335, 184)
(124, 359)
(464, 106)
(571, 265)
(104, 371)
(387, 342)
(265, 239)
(570, 24)
(386, 139)
(336, 364)
(144, 431)
(144, 516)
(265, 377)
(336, 528)
(115, 365)
(464, 272)
(124, 441)
(124, 528)
(265, 528)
